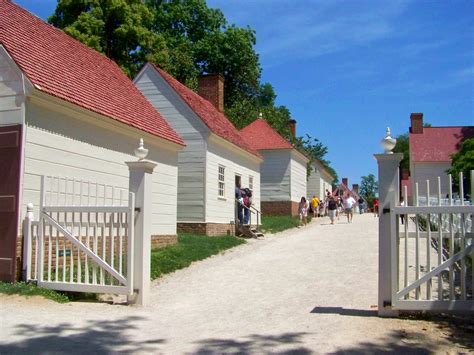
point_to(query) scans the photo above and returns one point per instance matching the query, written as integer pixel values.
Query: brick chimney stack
(292, 127)
(416, 123)
(345, 182)
(355, 188)
(211, 87)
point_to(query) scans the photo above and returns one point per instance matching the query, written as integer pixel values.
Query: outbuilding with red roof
(431, 149)
(283, 172)
(68, 110)
(216, 156)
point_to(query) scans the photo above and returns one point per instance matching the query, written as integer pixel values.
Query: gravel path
(309, 290)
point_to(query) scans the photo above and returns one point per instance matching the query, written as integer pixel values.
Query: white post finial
(260, 115)
(141, 152)
(388, 143)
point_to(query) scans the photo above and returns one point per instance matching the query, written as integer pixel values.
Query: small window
(251, 183)
(221, 181)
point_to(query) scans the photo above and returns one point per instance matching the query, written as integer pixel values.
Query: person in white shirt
(349, 202)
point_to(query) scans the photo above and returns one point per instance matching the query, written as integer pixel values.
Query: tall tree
(120, 29)
(368, 188)
(463, 161)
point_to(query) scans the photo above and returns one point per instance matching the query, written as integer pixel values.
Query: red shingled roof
(217, 122)
(436, 144)
(63, 67)
(260, 135)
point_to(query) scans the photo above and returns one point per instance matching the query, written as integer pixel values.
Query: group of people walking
(332, 206)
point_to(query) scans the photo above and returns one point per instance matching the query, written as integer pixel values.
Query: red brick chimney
(211, 87)
(416, 123)
(292, 127)
(345, 181)
(355, 188)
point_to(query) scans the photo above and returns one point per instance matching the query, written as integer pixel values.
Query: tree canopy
(463, 161)
(368, 189)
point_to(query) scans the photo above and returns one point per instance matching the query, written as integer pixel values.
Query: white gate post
(140, 184)
(27, 245)
(388, 172)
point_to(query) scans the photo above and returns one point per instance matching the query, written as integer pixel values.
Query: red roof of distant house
(217, 122)
(61, 66)
(260, 135)
(436, 144)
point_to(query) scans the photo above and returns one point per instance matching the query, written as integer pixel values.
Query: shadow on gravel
(344, 311)
(449, 330)
(255, 344)
(96, 337)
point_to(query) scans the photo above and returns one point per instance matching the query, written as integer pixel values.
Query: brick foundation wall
(161, 241)
(209, 229)
(279, 208)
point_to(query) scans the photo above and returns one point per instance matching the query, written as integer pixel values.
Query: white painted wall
(58, 143)
(191, 160)
(11, 91)
(298, 176)
(420, 172)
(221, 210)
(318, 182)
(275, 175)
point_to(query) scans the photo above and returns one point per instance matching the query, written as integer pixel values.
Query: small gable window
(221, 181)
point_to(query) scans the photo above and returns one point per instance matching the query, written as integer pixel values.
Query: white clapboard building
(283, 172)
(215, 156)
(67, 110)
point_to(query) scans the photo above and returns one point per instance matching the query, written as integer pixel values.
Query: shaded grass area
(24, 289)
(274, 224)
(190, 247)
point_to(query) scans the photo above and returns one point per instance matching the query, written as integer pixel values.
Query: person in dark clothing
(239, 203)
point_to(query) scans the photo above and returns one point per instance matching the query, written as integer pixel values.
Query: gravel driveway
(308, 290)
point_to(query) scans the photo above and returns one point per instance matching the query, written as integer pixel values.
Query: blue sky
(347, 69)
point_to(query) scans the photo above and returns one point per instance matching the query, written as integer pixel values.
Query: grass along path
(24, 289)
(275, 224)
(190, 247)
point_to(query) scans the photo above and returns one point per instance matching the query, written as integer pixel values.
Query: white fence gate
(83, 238)
(432, 253)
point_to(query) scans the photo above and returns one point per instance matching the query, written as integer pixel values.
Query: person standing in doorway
(239, 202)
(349, 203)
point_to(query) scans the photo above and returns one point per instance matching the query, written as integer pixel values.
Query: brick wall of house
(280, 208)
(209, 229)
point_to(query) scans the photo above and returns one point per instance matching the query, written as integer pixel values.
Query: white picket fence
(83, 238)
(432, 253)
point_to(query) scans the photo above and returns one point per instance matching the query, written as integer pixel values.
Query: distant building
(319, 181)
(430, 153)
(283, 172)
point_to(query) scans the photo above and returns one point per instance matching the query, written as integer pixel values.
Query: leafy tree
(368, 189)
(463, 161)
(120, 29)
(403, 146)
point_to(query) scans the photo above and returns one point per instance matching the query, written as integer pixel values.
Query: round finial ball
(141, 152)
(388, 143)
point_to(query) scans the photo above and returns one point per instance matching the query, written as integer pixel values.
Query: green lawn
(189, 248)
(23, 289)
(274, 224)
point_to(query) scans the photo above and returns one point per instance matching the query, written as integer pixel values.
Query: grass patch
(274, 224)
(190, 247)
(24, 289)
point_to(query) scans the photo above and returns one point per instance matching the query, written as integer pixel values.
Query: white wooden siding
(318, 182)
(191, 160)
(11, 91)
(58, 144)
(298, 177)
(221, 210)
(275, 175)
(421, 172)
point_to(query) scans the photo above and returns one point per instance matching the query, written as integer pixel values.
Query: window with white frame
(221, 181)
(251, 182)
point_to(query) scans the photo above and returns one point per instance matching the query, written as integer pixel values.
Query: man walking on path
(348, 204)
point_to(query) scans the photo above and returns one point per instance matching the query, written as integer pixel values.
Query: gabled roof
(260, 135)
(215, 120)
(436, 144)
(59, 65)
